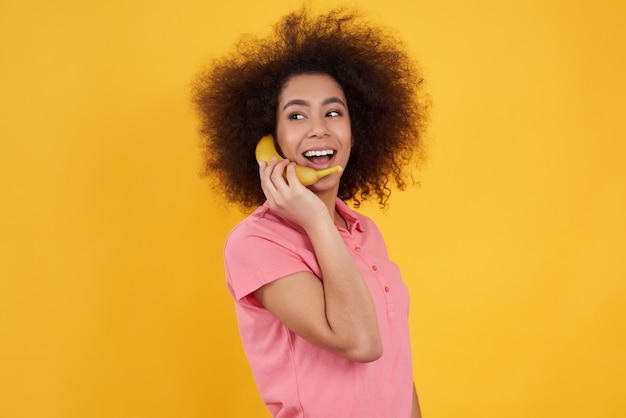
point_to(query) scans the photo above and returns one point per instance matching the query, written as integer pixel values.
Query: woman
(322, 311)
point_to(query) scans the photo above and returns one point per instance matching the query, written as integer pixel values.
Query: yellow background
(112, 294)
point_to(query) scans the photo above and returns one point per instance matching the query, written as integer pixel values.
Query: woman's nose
(318, 127)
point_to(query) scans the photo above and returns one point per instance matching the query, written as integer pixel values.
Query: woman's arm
(415, 410)
(337, 313)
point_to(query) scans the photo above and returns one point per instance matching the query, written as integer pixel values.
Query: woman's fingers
(290, 174)
(285, 194)
(273, 182)
(278, 172)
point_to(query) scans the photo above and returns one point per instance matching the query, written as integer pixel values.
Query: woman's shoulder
(265, 224)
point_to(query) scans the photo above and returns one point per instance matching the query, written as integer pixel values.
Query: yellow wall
(112, 296)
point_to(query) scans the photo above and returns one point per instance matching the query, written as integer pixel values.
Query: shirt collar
(348, 215)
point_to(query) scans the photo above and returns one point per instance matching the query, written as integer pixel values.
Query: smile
(320, 153)
(320, 157)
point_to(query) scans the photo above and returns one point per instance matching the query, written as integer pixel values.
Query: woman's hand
(288, 197)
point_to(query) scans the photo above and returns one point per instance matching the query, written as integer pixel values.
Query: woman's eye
(333, 113)
(296, 116)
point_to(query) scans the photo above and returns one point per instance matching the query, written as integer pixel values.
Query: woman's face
(313, 123)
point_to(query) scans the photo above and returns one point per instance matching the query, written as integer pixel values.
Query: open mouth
(320, 158)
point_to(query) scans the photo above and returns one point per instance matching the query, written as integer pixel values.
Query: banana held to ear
(265, 150)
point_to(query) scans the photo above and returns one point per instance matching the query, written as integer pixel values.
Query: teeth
(310, 154)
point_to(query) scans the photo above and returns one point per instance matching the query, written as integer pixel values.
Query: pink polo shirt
(294, 377)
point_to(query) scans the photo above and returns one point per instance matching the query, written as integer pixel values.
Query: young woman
(322, 311)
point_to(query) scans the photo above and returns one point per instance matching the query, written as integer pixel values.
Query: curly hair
(236, 98)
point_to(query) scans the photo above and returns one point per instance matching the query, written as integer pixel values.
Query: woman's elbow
(366, 352)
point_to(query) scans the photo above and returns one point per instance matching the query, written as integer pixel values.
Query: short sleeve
(260, 252)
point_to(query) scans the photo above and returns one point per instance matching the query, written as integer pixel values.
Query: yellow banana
(265, 150)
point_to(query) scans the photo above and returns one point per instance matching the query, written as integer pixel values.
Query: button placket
(391, 308)
(384, 286)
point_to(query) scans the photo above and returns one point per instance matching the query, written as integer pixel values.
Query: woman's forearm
(349, 307)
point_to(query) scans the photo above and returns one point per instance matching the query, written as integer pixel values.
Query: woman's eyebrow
(295, 102)
(334, 100)
(301, 102)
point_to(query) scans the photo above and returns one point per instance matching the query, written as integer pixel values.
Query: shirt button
(357, 248)
(374, 268)
(387, 289)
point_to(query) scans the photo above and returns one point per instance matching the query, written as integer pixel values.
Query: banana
(265, 150)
